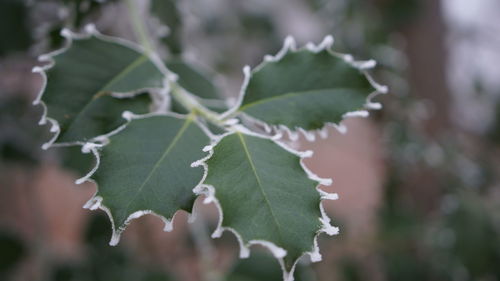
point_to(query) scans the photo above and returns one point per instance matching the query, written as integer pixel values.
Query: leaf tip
(289, 43)
(93, 204)
(323, 132)
(331, 230)
(246, 70)
(315, 256)
(341, 128)
(277, 251)
(90, 28)
(79, 181)
(326, 44)
(66, 33)
(37, 69)
(366, 64)
(328, 196)
(127, 115)
(326, 226)
(169, 226)
(359, 113)
(374, 105)
(115, 238)
(217, 232)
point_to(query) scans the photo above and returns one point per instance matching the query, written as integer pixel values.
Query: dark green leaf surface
(102, 115)
(265, 194)
(79, 85)
(305, 89)
(147, 166)
(72, 159)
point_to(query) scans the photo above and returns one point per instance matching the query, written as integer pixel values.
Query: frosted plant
(159, 141)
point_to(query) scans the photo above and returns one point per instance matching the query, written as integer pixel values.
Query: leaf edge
(95, 202)
(158, 95)
(279, 253)
(290, 46)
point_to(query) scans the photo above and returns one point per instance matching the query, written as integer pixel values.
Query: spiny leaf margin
(279, 253)
(95, 202)
(158, 96)
(290, 46)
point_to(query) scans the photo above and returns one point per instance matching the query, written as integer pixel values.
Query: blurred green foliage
(15, 32)
(168, 14)
(105, 263)
(263, 266)
(12, 250)
(21, 136)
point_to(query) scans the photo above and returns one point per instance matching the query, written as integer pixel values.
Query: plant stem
(196, 108)
(192, 104)
(138, 26)
(177, 92)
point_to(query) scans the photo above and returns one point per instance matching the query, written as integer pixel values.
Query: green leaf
(265, 197)
(102, 115)
(305, 88)
(80, 83)
(146, 168)
(72, 159)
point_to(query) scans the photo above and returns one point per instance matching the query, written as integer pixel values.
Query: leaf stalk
(177, 91)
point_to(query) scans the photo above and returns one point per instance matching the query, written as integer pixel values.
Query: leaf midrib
(139, 60)
(157, 163)
(261, 189)
(287, 95)
(100, 93)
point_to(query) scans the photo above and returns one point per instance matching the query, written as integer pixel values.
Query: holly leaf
(266, 197)
(146, 168)
(306, 88)
(83, 80)
(73, 160)
(102, 115)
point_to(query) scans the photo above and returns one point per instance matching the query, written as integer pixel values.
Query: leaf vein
(254, 169)
(283, 96)
(165, 153)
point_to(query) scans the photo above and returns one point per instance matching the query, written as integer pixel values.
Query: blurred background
(419, 181)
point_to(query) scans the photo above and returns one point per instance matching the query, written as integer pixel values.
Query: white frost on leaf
(90, 148)
(326, 44)
(359, 113)
(96, 202)
(160, 99)
(48, 59)
(279, 253)
(290, 45)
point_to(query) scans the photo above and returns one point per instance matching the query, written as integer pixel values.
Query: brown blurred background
(419, 181)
